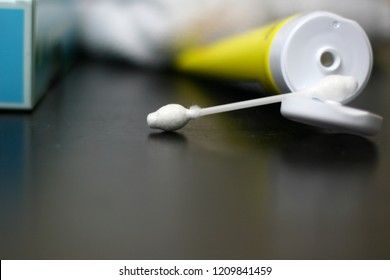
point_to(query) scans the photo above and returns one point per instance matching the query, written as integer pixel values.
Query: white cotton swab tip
(172, 117)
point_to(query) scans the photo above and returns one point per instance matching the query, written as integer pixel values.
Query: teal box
(38, 43)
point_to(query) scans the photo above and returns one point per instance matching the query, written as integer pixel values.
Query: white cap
(316, 45)
(330, 114)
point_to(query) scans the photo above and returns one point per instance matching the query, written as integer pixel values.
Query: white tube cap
(315, 45)
(330, 114)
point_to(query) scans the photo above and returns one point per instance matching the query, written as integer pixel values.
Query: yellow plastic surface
(243, 57)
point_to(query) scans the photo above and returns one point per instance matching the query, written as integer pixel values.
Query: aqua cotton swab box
(37, 43)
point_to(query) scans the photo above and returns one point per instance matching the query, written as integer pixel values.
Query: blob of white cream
(336, 88)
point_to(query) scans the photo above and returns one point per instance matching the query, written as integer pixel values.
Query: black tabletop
(83, 177)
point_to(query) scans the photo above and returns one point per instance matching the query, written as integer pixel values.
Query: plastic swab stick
(174, 116)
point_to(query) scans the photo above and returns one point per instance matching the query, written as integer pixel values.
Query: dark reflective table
(83, 177)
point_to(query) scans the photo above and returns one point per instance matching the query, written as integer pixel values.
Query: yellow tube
(244, 57)
(288, 55)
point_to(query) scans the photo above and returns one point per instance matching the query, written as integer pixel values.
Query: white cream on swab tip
(172, 117)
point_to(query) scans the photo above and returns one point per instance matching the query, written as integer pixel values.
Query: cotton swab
(172, 117)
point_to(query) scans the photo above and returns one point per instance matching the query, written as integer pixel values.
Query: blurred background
(150, 32)
(83, 177)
